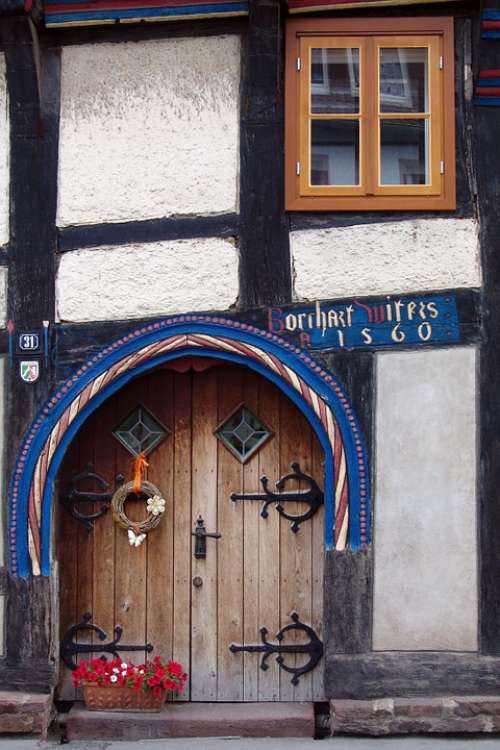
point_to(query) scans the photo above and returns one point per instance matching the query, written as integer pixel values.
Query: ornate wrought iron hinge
(313, 497)
(72, 497)
(314, 648)
(70, 648)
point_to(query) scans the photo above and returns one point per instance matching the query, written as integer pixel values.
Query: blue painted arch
(324, 384)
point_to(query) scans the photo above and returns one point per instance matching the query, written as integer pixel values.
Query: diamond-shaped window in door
(140, 432)
(243, 433)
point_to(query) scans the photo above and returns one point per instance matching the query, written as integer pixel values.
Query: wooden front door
(255, 575)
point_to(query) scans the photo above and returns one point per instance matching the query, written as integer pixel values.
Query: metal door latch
(200, 539)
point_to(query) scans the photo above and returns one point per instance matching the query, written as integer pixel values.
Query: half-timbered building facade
(250, 321)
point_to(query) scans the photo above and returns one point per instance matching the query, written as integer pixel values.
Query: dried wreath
(155, 504)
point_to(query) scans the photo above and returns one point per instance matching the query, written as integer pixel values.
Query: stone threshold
(193, 720)
(440, 715)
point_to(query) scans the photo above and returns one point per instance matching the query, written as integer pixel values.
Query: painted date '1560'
(387, 323)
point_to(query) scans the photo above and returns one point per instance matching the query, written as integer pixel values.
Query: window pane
(404, 148)
(335, 80)
(404, 79)
(334, 152)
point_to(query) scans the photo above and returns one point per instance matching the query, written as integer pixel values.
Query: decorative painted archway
(316, 392)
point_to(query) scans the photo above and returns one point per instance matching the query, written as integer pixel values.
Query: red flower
(154, 675)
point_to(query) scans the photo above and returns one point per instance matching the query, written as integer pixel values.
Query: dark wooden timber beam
(487, 159)
(265, 271)
(34, 128)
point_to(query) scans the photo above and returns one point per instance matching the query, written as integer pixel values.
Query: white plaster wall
(425, 580)
(400, 256)
(4, 155)
(135, 281)
(149, 129)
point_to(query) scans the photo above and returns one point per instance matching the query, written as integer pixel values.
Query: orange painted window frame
(368, 34)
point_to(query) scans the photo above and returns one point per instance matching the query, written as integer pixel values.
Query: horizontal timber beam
(152, 230)
(410, 673)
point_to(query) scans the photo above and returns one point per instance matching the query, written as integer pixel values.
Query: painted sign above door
(351, 324)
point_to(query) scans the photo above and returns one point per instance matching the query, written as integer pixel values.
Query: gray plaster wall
(425, 548)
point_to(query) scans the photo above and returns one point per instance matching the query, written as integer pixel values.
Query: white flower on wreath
(156, 505)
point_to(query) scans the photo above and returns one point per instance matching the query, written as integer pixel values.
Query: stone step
(193, 720)
(25, 713)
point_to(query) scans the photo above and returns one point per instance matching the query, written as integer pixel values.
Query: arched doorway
(218, 427)
(315, 391)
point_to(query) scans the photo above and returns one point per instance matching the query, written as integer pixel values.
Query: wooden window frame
(368, 34)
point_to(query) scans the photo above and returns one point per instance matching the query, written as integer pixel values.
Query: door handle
(200, 539)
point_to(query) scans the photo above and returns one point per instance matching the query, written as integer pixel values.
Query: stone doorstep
(25, 713)
(194, 720)
(463, 714)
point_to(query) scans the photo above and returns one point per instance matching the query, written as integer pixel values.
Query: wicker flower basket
(120, 698)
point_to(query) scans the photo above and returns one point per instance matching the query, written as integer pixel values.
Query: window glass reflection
(404, 79)
(335, 81)
(334, 152)
(404, 152)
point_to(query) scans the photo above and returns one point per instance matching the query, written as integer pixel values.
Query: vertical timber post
(265, 272)
(33, 84)
(487, 138)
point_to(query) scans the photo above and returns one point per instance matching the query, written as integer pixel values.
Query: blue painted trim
(486, 101)
(490, 34)
(491, 14)
(487, 82)
(186, 10)
(299, 361)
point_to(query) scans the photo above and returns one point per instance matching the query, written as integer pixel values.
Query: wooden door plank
(251, 528)
(295, 548)
(130, 565)
(66, 538)
(183, 524)
(158, 399)
(318, 557)
(204, 503)
(269, 539)
(304, 554)
(103, 612)
(85, 539)
(229, 547)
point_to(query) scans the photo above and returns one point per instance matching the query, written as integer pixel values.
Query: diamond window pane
(140, 432)
(243, 433)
